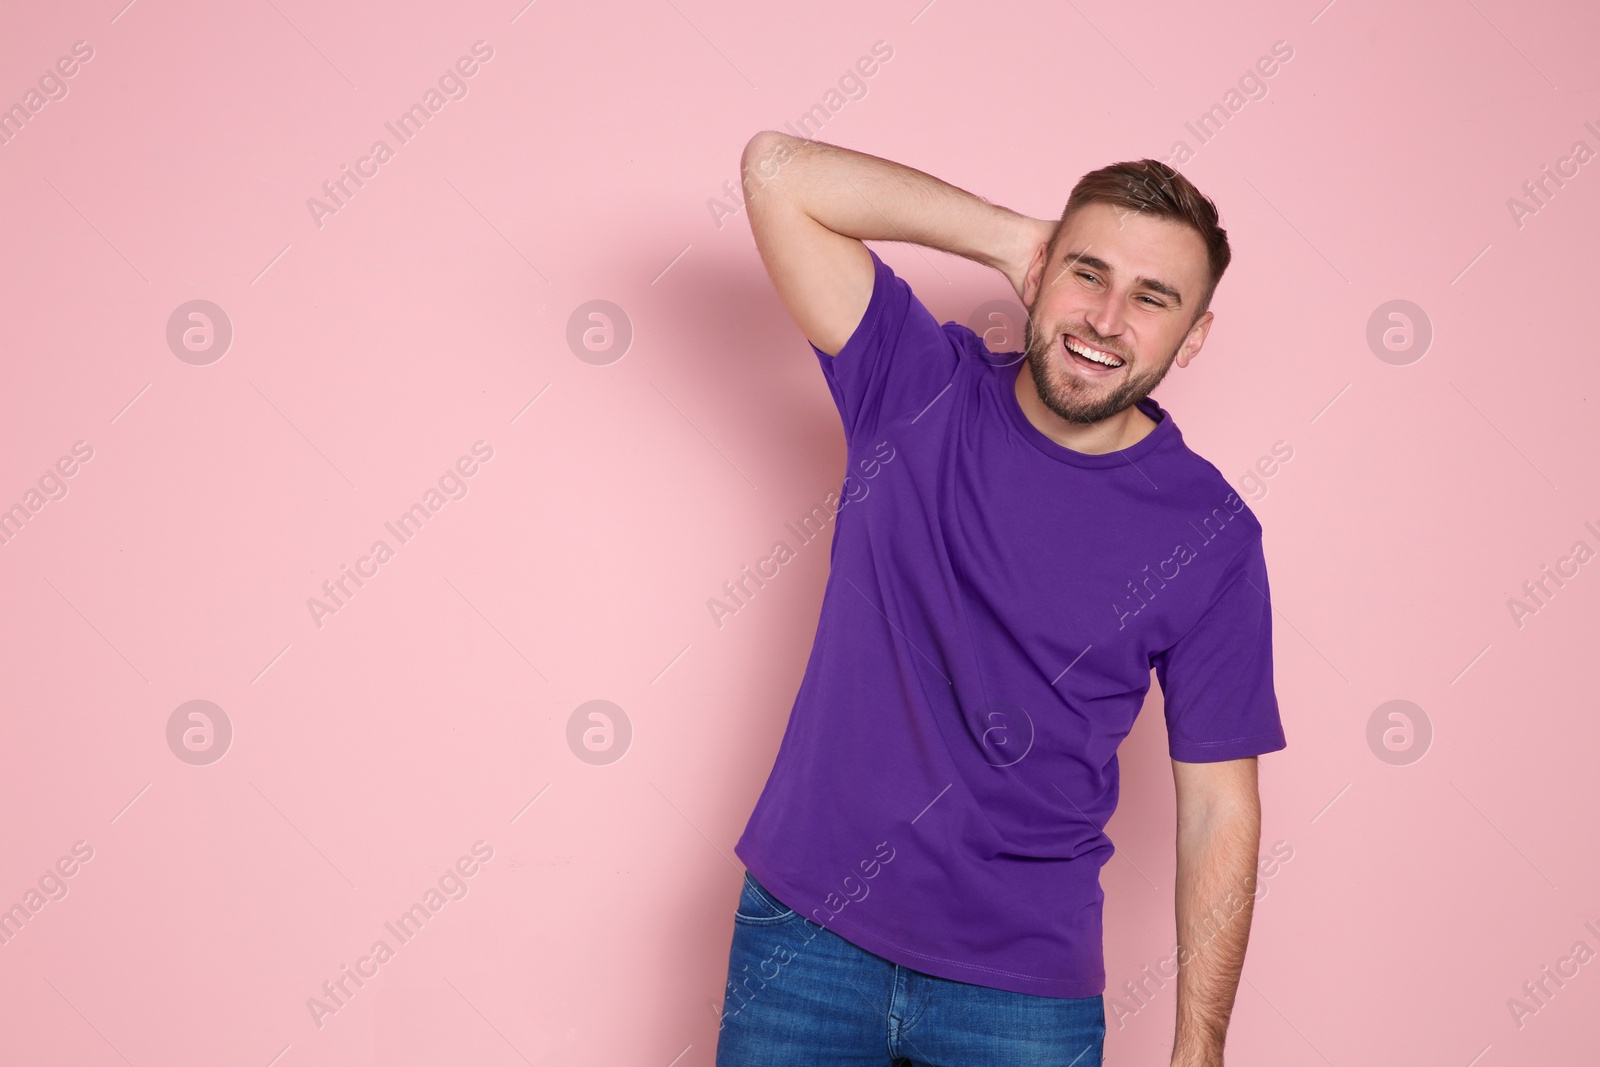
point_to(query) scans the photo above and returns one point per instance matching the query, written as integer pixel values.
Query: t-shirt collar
(1164, 429)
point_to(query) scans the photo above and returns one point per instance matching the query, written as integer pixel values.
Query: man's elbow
(765, 155)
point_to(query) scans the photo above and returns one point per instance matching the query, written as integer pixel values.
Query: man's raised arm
(811, 205)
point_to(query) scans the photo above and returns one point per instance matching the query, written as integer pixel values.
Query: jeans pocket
(758, 907)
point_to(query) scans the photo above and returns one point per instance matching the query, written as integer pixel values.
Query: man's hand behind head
(1028, 244)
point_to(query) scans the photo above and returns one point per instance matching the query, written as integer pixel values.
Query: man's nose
(1106, 315)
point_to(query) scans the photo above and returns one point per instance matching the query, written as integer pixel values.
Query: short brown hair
(1151, 186)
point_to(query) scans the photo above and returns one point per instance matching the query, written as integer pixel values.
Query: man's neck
(1123, 430)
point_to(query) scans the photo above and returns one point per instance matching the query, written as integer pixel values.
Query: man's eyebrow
(1153, 284)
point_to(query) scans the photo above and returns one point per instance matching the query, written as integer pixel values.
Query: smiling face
(1123, 285)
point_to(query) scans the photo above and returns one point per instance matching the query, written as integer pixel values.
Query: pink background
(431, 711)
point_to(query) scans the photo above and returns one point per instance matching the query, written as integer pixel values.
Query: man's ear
(1035, 276)
(1195, 339)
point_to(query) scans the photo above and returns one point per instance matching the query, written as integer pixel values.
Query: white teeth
(1089, 353)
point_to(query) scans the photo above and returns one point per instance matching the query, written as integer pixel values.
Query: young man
(1016, 550)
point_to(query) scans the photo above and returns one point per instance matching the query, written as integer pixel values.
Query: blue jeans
(799, 995)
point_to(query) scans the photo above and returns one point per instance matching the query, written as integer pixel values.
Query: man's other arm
(811, 205)
(1219, 833)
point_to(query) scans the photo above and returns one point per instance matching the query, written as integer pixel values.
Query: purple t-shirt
(994, 607)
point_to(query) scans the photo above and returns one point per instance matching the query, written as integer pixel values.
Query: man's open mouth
(1087, 356)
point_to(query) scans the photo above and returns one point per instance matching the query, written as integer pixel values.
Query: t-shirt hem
(938, 966)
(1216, 751)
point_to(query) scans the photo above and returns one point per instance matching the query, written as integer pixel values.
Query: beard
(1076, 397)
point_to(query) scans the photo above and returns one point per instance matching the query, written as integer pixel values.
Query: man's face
(1124, 283)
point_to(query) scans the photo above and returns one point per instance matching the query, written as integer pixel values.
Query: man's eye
(1086, 274)
(1153, 302)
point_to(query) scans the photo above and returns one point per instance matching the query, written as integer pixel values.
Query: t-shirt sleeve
(1216, 680)
(896, 363)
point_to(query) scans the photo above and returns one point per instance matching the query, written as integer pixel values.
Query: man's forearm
(1215, 900)
(874, 199)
